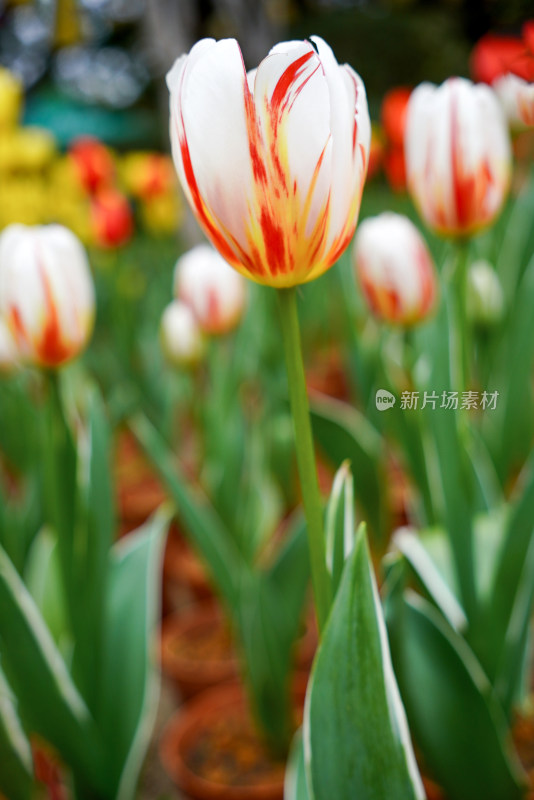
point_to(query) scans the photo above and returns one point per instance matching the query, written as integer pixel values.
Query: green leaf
(59, 465)
(451, 707)
(454, 474)
(129, 686)
(202, 524)
(344, 434)
(340, 527)
(295, 785)
(43, 579)
(356, 738)
(515, 649)
(94, 537)
(20, 518)
(16, 773)
(412, 548)
(269, 619)
(509, 428)
(512, 555)
(48, 699)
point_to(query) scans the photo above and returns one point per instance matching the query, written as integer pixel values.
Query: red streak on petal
(51, 349)
(273, 236)
(17, 324)
(258, 167)
(287, 78)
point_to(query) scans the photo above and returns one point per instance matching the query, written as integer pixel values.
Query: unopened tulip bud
(485, 299)
(46, 293)
(181, 338)
(211, 288)
(457, 149)
(395, 269)
(273, 164)
(9, 358)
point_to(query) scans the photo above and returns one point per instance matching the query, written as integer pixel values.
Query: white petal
(212, 105)
(347, 177)
(293, 108)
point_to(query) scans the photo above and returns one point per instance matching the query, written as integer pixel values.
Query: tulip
(93, 162)
(111, 218)
(273, 163)
(485, 298)
(393, 114)
(457, 151)
(517, 99)
(9, 359)
(180, 335)
(46, 293)
(395, 269)
(493, 56)
(514, 81)
(395, 168)
(211, 288)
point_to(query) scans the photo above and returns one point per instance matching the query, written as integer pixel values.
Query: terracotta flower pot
(212, 751)
(183, 570)
(197, 651)
(139, 490)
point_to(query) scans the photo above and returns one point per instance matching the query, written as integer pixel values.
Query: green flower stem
(460, 320)
(59, 482)
(305, 452)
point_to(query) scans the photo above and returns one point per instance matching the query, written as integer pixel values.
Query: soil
(183, 569)
(204, 644)
(231, 753)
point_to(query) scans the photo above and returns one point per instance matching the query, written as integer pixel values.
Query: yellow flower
(11, 94)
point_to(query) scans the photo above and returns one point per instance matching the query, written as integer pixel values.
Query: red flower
(93, 162)
(393, 114)
(112, 218)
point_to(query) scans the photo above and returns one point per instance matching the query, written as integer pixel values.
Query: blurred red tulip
(394, 269)
(93, 162)
(395, 168)
(494, 55)
(112, 218)
(46, 293)
(393, 114)
(376, 152)
(457, 150)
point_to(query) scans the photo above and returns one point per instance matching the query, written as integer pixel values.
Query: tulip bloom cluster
(457, 156)
(273, 163)
(46, 293)
(395, 269)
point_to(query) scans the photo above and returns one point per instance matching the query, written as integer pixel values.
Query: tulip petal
(293, 111)
(210, 140)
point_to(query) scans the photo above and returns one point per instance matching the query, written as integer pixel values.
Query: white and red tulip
(273, 163)
(9, 358)
(517, 99)
(46, 293)
(215, 292)
(180, 335)
(457, 149)
(395, 269)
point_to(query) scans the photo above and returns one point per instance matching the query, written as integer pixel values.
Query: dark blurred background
(97, 66)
